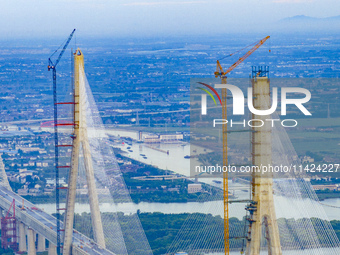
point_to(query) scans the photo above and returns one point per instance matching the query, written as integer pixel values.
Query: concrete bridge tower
(262, 210)
(80, 138)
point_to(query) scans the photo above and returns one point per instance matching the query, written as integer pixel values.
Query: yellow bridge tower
(80, 138)
(262, 210)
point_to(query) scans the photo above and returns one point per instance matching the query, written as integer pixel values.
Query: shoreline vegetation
(162, 229)
(153, 191)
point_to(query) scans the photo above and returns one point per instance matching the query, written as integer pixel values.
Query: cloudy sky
(35, 18)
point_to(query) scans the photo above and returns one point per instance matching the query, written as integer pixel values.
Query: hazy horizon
(104, 18)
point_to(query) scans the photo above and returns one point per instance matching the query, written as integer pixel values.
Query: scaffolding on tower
(9, 229)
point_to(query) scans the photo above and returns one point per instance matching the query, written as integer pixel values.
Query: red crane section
(9, 229)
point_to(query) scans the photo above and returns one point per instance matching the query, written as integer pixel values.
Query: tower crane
(52, 66)
(222, 74)
(219, 70)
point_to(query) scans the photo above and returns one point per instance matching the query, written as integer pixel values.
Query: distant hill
(307, 23)
(304, 18)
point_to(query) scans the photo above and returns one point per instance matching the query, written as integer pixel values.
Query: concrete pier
(22, 238)
(31, 243)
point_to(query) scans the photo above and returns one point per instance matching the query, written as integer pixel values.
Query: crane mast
(52, 66)
(220, 73)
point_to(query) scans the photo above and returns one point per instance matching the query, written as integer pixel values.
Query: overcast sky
(36, 18)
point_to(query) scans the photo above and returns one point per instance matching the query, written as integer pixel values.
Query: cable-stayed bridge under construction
(27, 227)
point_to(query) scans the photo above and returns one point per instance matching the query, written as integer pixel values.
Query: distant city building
(330, 187)
(163, 138)
(27, 149)
(22, 192)
(99, 191)
(171, 138)
(151, 139)
(307, 159)
(194, 187)
(173, 190)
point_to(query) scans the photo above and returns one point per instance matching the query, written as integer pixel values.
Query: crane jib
(251, 51)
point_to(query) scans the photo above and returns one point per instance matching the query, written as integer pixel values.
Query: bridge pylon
(3, 176)
(262, 209)
(80, 138)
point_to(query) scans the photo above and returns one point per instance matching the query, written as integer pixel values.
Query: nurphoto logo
(239, 103)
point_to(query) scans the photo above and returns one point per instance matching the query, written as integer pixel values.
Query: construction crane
(219, 70)
(23, 205)
(222, 74)
(52, 66)
(9, 229)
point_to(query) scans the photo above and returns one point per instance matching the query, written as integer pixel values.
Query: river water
(176, 162)
(173, 161)
(212, 207)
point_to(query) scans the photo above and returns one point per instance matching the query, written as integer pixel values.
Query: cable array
(303, 223)
(122, 235)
